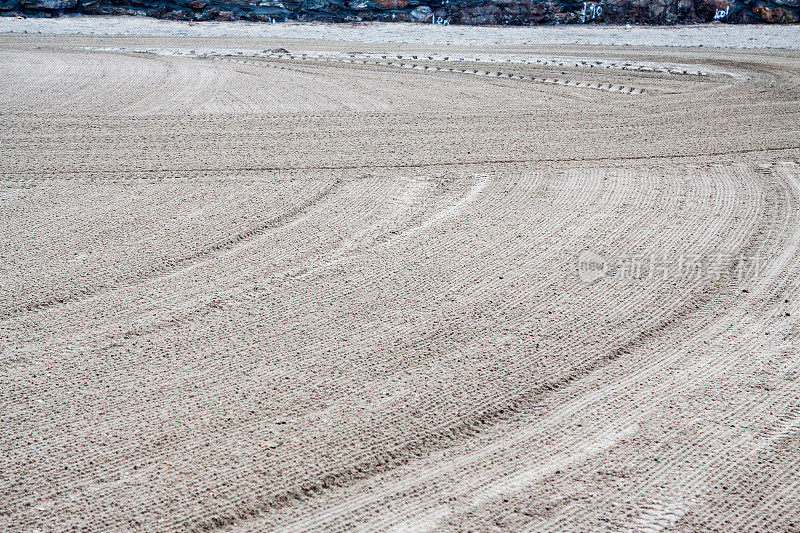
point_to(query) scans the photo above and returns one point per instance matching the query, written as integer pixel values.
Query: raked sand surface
(375, 277)
(706, 35)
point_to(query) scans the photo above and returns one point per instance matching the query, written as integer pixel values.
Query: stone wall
(516, 12)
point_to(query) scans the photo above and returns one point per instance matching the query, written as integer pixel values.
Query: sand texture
(327, 283)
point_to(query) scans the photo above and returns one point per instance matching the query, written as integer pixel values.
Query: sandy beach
(398, 277)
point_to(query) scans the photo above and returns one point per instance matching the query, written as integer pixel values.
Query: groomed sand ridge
(257, 282)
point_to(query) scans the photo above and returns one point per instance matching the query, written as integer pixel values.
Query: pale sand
(341, 290)
(707, 35)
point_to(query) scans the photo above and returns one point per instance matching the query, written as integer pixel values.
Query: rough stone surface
(48, 5)
(775, 14)
(473, 12)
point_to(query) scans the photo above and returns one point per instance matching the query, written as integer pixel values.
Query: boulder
(518, 12)
(361, 5)
(645, 11)
(98, 7)
(392, 4)
(266, 12)
(178, 14)
(704, 10)
(421, 14)
(197, 5)
(775, 14)
(484, 13)
(48, 5)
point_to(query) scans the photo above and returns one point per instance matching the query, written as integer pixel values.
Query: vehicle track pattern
(331, 289)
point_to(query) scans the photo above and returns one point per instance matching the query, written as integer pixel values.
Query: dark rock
(517, 12)
(775, 14)
(267, 12)
(421, 14)
(179, 14)
(197, 5)
(704, 10)
(98, 8)
(48, 5)
(209, 14)
(392, 4)
(331, 7)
